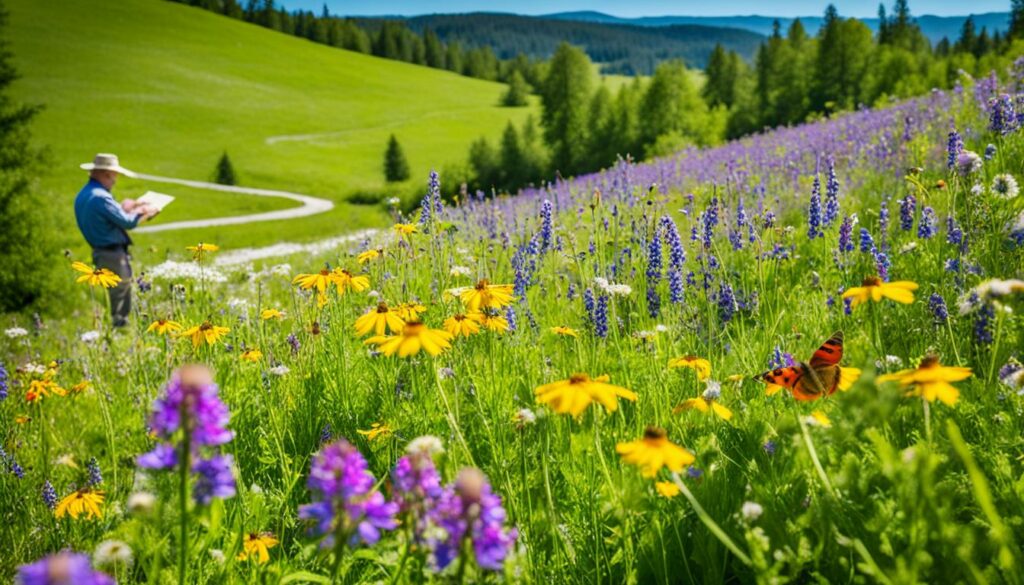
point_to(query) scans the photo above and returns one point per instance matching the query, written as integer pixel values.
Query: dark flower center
(871, 281)
(654, 433)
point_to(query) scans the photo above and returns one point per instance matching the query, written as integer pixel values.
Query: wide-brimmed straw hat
(106, 162)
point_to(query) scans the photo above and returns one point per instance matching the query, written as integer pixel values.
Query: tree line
(796, 76)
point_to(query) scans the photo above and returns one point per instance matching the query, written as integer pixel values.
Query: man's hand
(147, 211)
(129, 204)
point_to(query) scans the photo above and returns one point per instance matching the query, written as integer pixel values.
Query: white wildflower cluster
(751, 511)
(712, 390)
(991, 291)
(613, 289)
(171, 270)
(16, 332)
(280, 370)
(460, 271)
(428, 445)
(90, 336)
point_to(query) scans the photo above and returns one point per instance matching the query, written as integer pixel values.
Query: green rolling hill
(169, 88)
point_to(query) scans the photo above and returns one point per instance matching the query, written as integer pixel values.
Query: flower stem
(814, 458)
(183, 500)
(709, 522)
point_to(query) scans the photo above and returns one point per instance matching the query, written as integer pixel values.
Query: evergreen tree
(433, 50)
(396, 168)
(225, 173)
(1016, 30)
(564, 96)
(517, 93)
(27, 242)
(968, 37)
(844, 53)
(511, 159)
(453, 57)
(601, 141)
(721, 75)
(884, 35)
(483, 161)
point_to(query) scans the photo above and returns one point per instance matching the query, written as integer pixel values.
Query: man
(104, 224)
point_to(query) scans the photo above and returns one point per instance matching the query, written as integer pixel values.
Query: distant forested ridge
(625, 49)
(935, 28)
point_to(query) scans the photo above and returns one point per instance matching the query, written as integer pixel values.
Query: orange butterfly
(811, 381)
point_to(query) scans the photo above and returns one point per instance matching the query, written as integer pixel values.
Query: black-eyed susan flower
(206, 333)
(653, 452)
(251, 355)
(379, 320)
(268, 314)
(95, 276)
(874, 289)
(411, 339)
(345, 281)
(707, 402)
(84, 501)
(370, 255)
(463, 325)
(410, 311)
(200, 250)
(376, 430)
(405, 229)
(930, 380)
(39, 389)
(257, 545)
(164, 327)
(574, 395)
(666, 489)
(318, 281)
(80, 387)
(698, 364)
(494, 322)
(485, 295)
(564, 331)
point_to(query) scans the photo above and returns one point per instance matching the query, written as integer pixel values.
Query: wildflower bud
(141, 503)
(195, 375)
(470, 484)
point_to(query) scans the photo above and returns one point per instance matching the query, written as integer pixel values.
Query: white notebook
(157, 200)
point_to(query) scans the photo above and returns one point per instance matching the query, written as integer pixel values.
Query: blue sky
(646, 7)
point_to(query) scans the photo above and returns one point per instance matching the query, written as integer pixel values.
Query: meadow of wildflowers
(793, 358)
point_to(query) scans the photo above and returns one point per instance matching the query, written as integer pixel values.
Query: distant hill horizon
(934, 27)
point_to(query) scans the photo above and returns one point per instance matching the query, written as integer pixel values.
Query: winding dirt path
(310, 206)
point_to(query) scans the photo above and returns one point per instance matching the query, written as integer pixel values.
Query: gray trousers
(118, 262)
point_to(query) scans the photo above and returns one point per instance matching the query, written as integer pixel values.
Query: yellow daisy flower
(666, 489)
(705, 405)
(410, 311)
(199, 251)
(930, 380)
(378, 320)
(405, 229)
(464, 325)
(318, 280)
(487, 296)
(370, 255)
(257, 545)
(653, 452)
(345, 280)
(494, 322)
(875, 290)
(574, 395)
(411, 339)
(95, 276)
(268, 314)
(164, 327)
(38, 389)
(206, 333)
(698, 364)
(566, 331)
(376, 430)
(81, 387)
(84, 501)
(251, 355)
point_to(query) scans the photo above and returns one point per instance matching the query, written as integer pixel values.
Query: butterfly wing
(829, 353)
(785, 377)
(816, 383)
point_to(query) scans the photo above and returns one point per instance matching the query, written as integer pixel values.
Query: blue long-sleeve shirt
(101, 219)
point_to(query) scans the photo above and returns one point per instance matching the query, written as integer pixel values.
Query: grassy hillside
(169, 88)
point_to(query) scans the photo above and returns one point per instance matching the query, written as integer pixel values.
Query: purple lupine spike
(928, 226)
(814, 211)
(469, 513)
(937, 305)
(846, 235)
(954, 146)
(867, 243)
(908, 208)
(831, 195)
